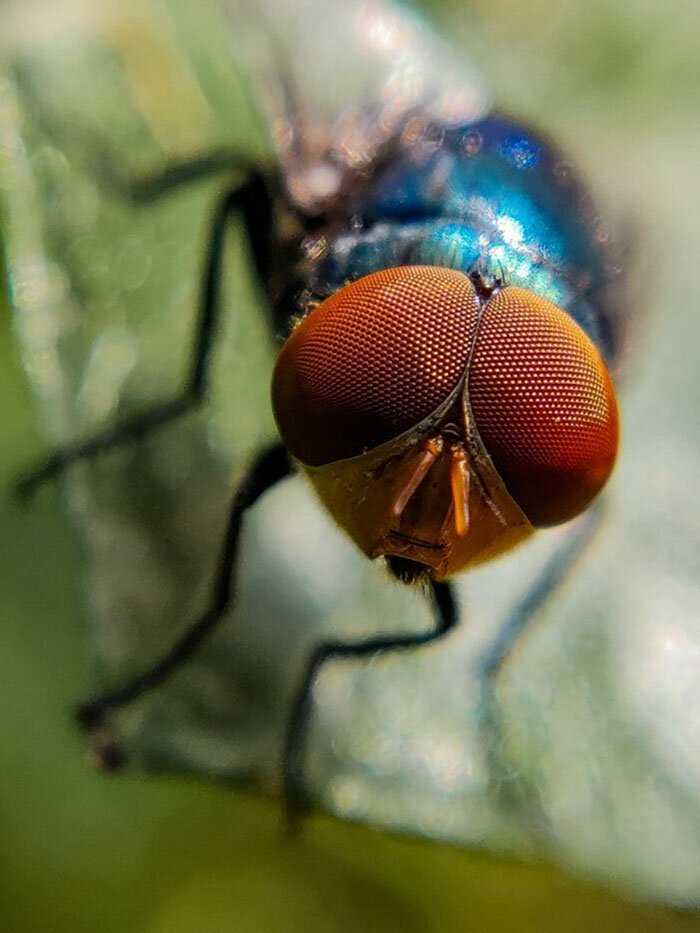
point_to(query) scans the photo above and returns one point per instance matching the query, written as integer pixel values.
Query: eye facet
(373, 361)
(543, 404)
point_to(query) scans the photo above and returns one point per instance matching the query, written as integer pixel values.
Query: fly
(442, 283)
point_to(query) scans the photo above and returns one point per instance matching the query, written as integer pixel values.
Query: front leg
(269, 467)
(446, 617)
(511, 632)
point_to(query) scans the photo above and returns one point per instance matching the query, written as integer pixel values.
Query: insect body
(504, 349)
(444, 285)
(392, 392)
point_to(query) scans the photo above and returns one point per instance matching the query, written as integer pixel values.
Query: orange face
(442, 426)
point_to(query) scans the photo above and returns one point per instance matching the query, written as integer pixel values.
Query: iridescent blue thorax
(491, 197)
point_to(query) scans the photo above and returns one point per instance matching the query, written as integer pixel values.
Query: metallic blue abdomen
(492, 197)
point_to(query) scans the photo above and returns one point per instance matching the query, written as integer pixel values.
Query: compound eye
(373, 361)
(544, 406)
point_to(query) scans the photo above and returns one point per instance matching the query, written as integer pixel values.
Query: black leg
(252, 201)
(268, 468)
(445, 609)
(555, 572)
(99, 161)
(152, 186)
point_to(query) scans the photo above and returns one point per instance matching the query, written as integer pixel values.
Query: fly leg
(151, 187)
(251, 200)
(446, 617)
(86, 146)
(513, 629)
(269, 467)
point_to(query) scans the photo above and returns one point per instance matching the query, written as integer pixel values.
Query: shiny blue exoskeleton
(386, 152)
(388, 141)
(493, 198)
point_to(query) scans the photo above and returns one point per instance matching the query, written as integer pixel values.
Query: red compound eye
(543, 404)
(373, 361)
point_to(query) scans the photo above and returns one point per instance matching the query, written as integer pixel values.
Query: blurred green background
(79, 851)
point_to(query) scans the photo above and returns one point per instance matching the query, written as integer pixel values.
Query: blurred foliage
(82, 852)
